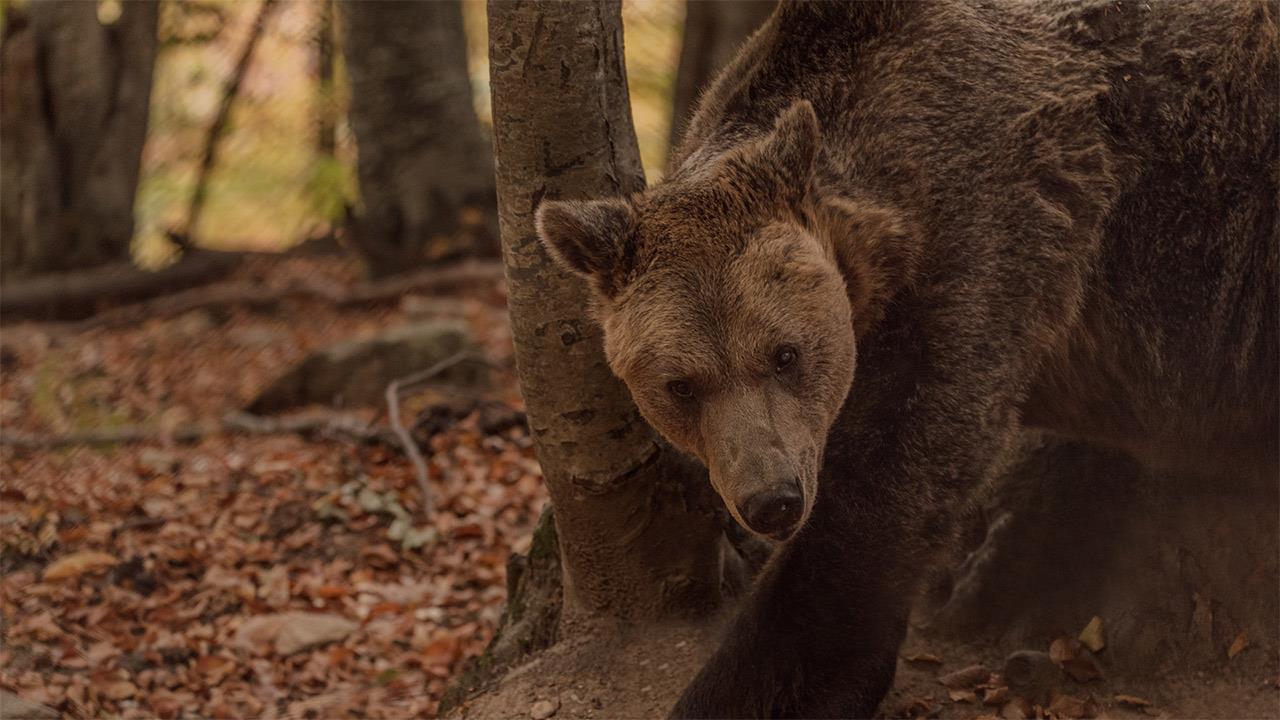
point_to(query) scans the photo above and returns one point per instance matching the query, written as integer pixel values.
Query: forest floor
(163, 579)
(630, 674)
(170, 579)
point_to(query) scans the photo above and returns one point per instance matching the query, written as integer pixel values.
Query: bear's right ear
(589, 237)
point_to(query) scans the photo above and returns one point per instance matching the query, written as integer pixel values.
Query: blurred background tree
(713, 32)
(203, 129)
(77, 87)
(425, 165)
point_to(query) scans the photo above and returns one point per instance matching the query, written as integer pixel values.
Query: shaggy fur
(1055, 215)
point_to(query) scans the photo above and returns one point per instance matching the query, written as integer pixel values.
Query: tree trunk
(640, 532)
(713, 32)
(76, 98)
(424, 164)
(326, 117)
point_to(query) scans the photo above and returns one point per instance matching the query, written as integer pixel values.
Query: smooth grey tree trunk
(424, 164)
(73, 120)
(713, 32)
(640, 533)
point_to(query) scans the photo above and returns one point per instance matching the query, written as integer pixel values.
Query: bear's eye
(783, 358)
(680, 389)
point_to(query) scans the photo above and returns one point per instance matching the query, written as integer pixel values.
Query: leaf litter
(247, 576)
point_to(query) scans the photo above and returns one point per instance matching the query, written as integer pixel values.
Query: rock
(358, 372)
(1031, 675)
(13, 707)
(543, 709)
(194, 325)
(291, 632)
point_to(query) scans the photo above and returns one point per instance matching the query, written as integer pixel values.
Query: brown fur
(1057, 215)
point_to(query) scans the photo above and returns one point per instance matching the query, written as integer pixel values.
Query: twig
(216, 128)
(406, 440)
(235, 423)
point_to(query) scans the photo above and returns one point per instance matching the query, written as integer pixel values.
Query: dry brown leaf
(965, 677)
(291, 632)
(917, 708)
(1132, 701)
(964, 696)
(77, 564)
(929, 658)
(1016, 709)
(1238, 645)
(996, 697)
(1064, 649)
(1064, 707)
(1093, 636)
(119, 690)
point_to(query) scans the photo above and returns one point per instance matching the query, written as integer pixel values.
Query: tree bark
(76, 100)
(425, 167)
(640, 531)
(713, 32)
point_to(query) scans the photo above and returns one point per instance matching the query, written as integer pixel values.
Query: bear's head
(726, 311)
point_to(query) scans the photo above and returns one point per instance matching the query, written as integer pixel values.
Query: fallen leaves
(1075, 659)
(77, 564)
(173, 581)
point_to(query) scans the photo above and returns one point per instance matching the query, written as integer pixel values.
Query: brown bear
(1054, 215)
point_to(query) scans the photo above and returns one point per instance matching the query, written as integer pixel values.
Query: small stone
(1031, 675)
(543, 709)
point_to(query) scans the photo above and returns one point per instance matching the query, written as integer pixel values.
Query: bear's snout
(774, 512)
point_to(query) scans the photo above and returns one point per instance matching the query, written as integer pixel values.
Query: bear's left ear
(590, 238)
(786, 155)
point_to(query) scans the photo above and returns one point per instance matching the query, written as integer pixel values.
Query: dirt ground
(640, 675)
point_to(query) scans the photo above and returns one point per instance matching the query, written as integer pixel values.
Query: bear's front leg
(820, 635)
(818, 639)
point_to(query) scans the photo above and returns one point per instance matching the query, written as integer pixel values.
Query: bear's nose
(774, 512)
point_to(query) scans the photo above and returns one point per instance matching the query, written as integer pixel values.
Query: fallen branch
(235, 423)
(75, 294)
(254, 295)
(406, 440)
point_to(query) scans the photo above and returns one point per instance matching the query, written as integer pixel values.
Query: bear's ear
(793, 144)
(590, 238)
(781, 163)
